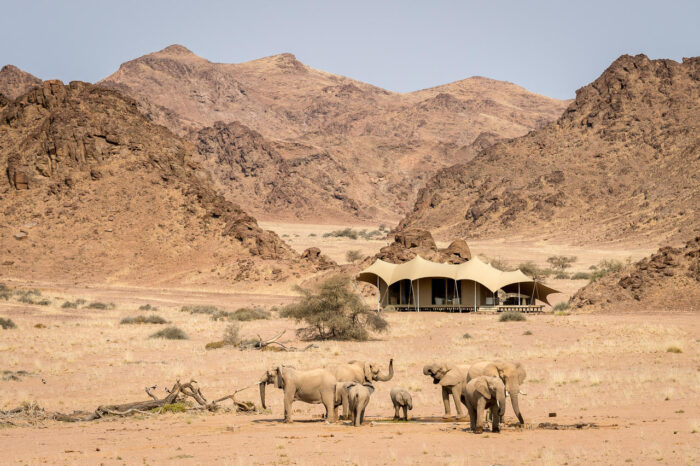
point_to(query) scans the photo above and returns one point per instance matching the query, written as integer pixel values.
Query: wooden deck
(460, 309)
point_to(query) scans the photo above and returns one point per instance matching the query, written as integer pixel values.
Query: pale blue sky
(550, 47)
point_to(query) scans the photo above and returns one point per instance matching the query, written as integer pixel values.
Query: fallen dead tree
(271, 344)
(187, 393)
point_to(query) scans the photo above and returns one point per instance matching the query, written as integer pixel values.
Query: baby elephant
(401, 399)
(358, 398)
(484, 392)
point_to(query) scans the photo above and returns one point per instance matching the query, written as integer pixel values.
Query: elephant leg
(496, 419)
(288, 400)
(396, 411)
(456, 397)
(480, 406)
(446, 401)
(472, 417)
(405, 413)
(328, 400)
(346, 408)
(362, 416)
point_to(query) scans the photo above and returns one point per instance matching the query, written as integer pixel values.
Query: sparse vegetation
(533, 270)
(5, 292)
(581, 276)
(498, 264)
(466, 336)
(353, 255)
(170, 408)
(561, 307)
(511, 316)
(527, 332)
(170, 333)
(241, 314)
(147, 307)
(561, 263)
(674, 349)
(151, 319)
(72, 304)
(334, 312)
(604, 268)
(232, 334)
(562, 276)
(100, 305)
(344, 233)
(7, 324)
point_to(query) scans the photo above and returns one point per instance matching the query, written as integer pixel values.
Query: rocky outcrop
(114, 196)
(415, 242)
(622, 162)
(668, 280)
(320, 261)
(15, 82)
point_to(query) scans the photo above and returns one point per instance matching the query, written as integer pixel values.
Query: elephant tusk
(523, 393)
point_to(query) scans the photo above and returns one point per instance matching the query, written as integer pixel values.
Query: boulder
(457, 252)
(415, 238)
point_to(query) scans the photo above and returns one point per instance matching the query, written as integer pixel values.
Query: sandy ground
(612, 371)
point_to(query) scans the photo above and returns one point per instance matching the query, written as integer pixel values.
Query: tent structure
(422, 284)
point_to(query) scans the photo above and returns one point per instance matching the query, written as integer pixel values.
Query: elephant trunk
(514, 401)
(262, 394)
(387, 376)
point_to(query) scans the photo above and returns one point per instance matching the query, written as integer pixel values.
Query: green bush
(562, 276)
(674, 349)
(170, 333)
(7, 324)
(581, 276)
(152, 319)
(604, 268)
(69, 305)
(334, 312)
(562, 306)
(100, 306)
(510, 316)
(147, 307)
(561, 263)
(466, 336)
(534, 271)
(344, 233)
(44, 302)
(249, 313)
(171, 408)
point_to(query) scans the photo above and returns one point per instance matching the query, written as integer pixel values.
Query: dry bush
(170, 333)
(561, 263)
(241, 314)
(5, 292)
(7, 323)
(562, 306)
(147, 307)
(511, 316)
(152, 319)
(344, 233)
(353, 255)
(72, 304)
(100, 306)
(581, 276)
(534, 271)
(334, 312)
(605, 267)
(674, 349)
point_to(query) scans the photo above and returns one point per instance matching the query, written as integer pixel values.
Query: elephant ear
(452, 377)
(368, 372)
(280, 380)
(483, 388)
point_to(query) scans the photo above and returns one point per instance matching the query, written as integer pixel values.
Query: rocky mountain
(15, 82)
(365, 150)
(622, 163)
(668, 280)
(94, 191)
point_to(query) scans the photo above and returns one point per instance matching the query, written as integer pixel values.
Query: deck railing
(459, 309)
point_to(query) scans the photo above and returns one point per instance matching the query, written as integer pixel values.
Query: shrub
(353, 255)
(562, 306)
(581, 276)
(200, 309)
(147, 307)
(152, 319)
(100, 305)
(561, 263)
(527, 332)
(344, 233)
(69, 305)
(312, 235)
(562, 276)
(531, 269)
(334, 312)
(7, 323)
(171, 408)
(509, 316)
(44, 302)
(5, 292)
(370, 235)
(170, 333)
(674, 349)
(499, 264)
(232, 334)
(466, 336)
(249, 313)
(214, 345)
(604, 268)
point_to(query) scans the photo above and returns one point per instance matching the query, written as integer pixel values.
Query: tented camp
(422, 285)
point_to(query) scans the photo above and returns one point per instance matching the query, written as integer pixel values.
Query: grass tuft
(511, 316)
(674, 349)
(7, 324)
(152, 319)
(466, 336)
(527, 332)
(100, 305)
(170, 333)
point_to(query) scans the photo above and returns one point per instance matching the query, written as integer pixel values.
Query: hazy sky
(550, 47)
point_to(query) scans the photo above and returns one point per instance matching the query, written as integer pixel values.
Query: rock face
(353, 150)
(320, 261)
(622, 162)
(666, 281)
(15, 82)
(117, 198)
(415, 242)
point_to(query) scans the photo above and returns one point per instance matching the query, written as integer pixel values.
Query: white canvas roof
(474, 270)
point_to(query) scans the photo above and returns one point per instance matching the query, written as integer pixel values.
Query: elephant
(358, 398)
(313, 386)
(452, 378)
(360, 372)
(512, 373)
(481, 393)
(401, 399)
(341, 395)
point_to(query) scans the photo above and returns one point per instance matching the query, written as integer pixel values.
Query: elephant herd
(480, 387)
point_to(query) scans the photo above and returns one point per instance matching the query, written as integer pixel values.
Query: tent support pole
(518, 293)
(459, 302)
(418, 289)
(379, 295)
(474, 295)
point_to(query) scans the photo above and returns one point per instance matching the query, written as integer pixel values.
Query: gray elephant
(360, 372)
(512, 373)
(358, 398)
(482, 393)
(401, 400)
(341, 396)
(452, 378)
(313, 386)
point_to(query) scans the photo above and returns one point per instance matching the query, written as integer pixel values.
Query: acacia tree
(334, 312)
(561, 263)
